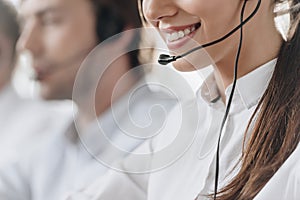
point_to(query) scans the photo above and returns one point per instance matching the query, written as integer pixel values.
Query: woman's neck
(258, 47)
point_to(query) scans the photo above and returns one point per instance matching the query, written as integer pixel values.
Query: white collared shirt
(193, 173)
(68, 163)
(26, 122)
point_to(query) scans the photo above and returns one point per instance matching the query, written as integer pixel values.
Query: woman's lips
(176, 37)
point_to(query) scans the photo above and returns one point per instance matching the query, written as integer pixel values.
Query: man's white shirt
(74, 158)
(24, 123)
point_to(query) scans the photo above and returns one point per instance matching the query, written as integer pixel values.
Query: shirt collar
(104, 131)
(249, 88)
(99, 133)
(209, 90)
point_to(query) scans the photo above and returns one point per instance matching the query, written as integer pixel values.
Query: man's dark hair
(9, 25)
(113, 17)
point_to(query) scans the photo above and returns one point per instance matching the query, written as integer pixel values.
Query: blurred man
(23, 122)
(60, 34)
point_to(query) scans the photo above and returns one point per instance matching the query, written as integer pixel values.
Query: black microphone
(165, 59)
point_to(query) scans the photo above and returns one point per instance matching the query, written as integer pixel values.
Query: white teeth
(187, 31)
(174, 36)
(180, 34)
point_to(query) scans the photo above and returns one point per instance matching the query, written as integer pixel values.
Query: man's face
(59, 34)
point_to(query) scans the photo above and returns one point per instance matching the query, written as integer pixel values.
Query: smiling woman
(265, 105)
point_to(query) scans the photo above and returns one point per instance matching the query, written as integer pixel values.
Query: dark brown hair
(276, 132)
(8, 23)
(113, 17)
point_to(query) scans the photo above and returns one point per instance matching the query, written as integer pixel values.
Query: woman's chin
(185, 66)
(194, 61)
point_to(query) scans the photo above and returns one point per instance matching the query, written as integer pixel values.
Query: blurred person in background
(23, 122)
(60, 34)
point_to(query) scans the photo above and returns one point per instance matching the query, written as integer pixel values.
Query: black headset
(165, 59)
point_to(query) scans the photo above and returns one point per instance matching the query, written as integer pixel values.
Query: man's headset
(166, 59)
